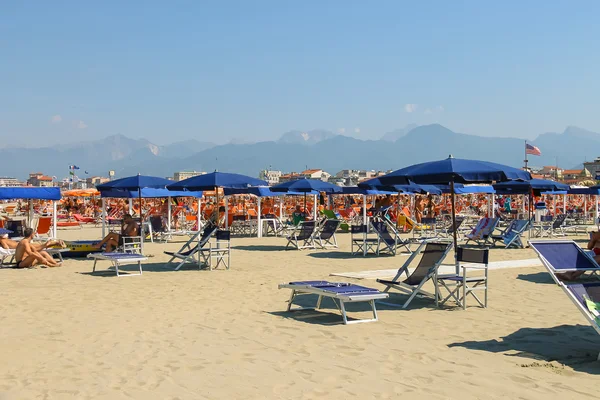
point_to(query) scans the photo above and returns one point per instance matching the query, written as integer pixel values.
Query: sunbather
(27, 254)
(113, 239)
(7, 243)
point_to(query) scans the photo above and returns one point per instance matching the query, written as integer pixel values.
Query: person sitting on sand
(113, 239)
(29, 254)
(594, 245)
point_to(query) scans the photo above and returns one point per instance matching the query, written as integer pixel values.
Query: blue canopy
(454, 170)
(594, 190)
(524, 187)
(359, 190)
(216, 180)
(136, 182)
(411, 187)
(146, 193)
(459, 188)
(306, 185)
(35, 193)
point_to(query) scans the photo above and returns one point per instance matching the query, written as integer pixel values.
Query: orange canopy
(81, 193)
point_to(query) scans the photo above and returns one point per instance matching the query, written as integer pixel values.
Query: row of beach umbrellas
(417, 178)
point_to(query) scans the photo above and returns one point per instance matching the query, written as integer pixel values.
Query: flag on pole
(533, 150)
(73, 167)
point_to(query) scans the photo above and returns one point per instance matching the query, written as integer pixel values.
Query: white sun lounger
(6, 253)
(118, 259)
(338, 292)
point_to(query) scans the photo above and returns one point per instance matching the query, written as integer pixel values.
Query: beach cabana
(33, 193)
(452, 171)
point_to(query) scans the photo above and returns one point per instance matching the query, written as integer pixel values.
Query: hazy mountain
(305, 137)
(398, 133)
(320, 149)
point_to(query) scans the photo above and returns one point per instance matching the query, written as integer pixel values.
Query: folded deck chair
(326, 234)
(303, 237)
(388, 238)
(189, 251)
(511, 236)
(340, 293)
(482, 232)
(359, 236)
(586, 297)
(432, 255)
(561, 256)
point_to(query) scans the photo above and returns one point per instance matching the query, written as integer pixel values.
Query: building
(292, 176)
(40, 180)
(316, 174)
(96, 180)
(10, 182)
(593, 167)
(271, 176)
(180, 176)
(572, 176)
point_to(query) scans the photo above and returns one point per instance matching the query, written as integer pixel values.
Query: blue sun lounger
(340, 293)
(559, 256)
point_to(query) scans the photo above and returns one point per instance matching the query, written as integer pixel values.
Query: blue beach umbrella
(525, 187)
(214, 181)
(454, 170)
(306, 186)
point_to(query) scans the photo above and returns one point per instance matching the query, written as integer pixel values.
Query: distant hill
(305, 137)
(297, 150)
(398, 133)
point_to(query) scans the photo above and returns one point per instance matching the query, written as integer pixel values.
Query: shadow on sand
(576, 346)
(260, 247)
(536, 277)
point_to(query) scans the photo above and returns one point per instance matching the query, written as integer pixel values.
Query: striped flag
(534, 151)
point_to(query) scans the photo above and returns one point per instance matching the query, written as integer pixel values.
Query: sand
(194, 334)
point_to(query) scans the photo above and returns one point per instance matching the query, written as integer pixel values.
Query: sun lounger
(158, 230)
(326, 234)
(561, 256)
(432, 255)
(388, 238)
(483, 231)
(511, 236)
(303, 237)
(119, 259)
(340, 293)
(555, 228)
(188, 253)
(85, 220)
(586, 297)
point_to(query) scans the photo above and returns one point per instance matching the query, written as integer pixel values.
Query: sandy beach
(194, 334)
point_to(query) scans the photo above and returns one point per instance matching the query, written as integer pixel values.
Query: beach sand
(67, 334)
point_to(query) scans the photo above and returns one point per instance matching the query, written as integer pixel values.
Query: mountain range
(296, 151)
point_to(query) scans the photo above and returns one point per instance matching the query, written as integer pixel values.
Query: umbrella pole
(304, 210)
(454, 235)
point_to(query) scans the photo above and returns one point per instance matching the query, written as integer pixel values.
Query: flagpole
(526, 156)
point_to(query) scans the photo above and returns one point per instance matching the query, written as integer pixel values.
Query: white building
(271, 176)
(316, 174)
(179, 176)
(10, 182)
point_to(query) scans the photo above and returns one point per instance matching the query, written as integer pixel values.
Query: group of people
(28, 253)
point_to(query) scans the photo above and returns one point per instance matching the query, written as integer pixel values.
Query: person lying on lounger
(113, 240)
(27, 253)
(594, 245)
(7, 243)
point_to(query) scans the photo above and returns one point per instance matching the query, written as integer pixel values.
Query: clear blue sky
(252, 70)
